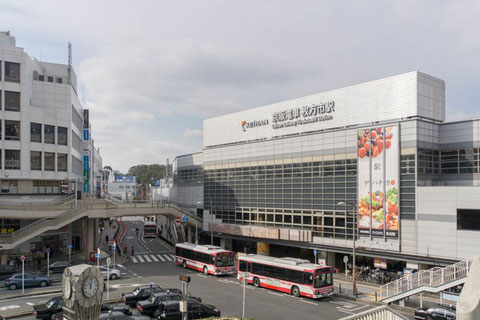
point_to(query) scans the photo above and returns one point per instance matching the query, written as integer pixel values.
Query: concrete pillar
(330, 259)
(226, 243)
(189, 234)
(97, 234)
(4, 257)
(90, 235)
(263, 248)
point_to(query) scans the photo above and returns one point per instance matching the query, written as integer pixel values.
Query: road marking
(140, 259)
(169, 257)
(121, 266)
(124, 285)
(160, 257)
(309, 302)
(276, 294)
(202, 275)
(154, 258)
(9, 307)
(344, 311)
(134, 259)
(30, 303)
(147, 258)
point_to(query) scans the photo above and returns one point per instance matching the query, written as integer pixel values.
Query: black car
(196, 310)
(119, 307)
(436, 313)
(154, 302)
(6, 271)
(117, 315)
(48, 309)
(57, 267)
(143, 293)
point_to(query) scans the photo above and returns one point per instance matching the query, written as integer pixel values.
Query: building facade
(376, 160)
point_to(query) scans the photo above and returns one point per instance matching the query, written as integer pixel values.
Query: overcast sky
(153, 70)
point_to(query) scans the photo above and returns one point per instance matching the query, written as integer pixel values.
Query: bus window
(242, 266)
(225, 259)
(322, 280)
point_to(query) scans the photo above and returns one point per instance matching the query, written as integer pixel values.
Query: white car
(113, 273)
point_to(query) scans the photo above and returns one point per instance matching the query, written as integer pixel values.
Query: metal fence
(426, 278)
(379, 313)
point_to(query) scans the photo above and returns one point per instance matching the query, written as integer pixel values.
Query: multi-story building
(375, 160)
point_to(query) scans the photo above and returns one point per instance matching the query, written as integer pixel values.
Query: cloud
(190, 133)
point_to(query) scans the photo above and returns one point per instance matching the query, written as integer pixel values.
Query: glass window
(41, 77)
(12, 130)
(49, 134)
(468, 219)
(62, 162)
(59, 80)
(12, 101)
(50, 79)
(12, 159)
(49, 161)
(12, 71)
(62, 135)
(35, 132)
(35, 160)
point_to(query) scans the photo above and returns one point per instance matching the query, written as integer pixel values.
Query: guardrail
(39, 205)
(434, 277)
(379, 313)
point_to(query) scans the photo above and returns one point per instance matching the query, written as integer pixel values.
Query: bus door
(249, 267)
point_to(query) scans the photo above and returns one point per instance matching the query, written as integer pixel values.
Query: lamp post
(354, 282)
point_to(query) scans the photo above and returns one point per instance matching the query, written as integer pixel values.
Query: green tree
(147, 173)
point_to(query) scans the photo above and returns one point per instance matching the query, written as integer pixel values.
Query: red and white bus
(150, 229)
(298, 277)
(205, 258)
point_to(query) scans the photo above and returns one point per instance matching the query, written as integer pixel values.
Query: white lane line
(309, 302)
(169, 257)
(276, 294)
(147, 258)
(134, 259)
(30, 303)
(140, 259)
(160, 257)
(153, 258)
(345, 311)
(121, 266)
(202, 275)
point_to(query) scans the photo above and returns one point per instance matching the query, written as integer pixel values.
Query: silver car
(112, 273)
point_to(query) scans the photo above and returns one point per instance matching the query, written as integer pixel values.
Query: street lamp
(354, 282)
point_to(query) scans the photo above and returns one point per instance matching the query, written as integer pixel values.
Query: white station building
(375, 159)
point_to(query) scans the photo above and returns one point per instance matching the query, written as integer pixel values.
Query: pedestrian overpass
(61, 214)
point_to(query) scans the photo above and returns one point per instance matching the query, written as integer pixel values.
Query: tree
(147, 173)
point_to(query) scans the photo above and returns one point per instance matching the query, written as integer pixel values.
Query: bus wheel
(295, 291)
(184, 264)
(205, 270)
(256, 282)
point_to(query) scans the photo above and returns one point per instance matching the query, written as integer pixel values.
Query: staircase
(433, 280)
(378, 313)
(10, 241)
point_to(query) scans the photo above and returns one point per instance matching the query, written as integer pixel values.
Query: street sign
(97, 255)
(69, 246)
(112, 242)
(185, 218)
(47, 250)
(315, 252)
(109, 261)
(178, 220)
(345, 259)
(22, 258)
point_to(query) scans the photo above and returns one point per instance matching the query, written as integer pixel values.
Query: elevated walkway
(433, 280)
(378, 313)
(65, 212)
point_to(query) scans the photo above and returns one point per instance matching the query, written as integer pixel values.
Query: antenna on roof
(69, 62)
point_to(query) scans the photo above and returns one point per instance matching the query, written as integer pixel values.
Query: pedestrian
(132, 251)
(107, 238)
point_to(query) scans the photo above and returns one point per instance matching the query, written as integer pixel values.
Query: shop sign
(304, 115)
(378, 158)
(380, 263)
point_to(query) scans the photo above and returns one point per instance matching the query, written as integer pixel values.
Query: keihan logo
(256, 123)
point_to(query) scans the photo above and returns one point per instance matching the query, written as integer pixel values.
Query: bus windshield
(322, 280)
(225, 259)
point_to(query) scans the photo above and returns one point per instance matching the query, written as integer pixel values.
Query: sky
(151, 71)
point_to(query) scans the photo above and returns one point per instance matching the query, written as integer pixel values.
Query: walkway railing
(431, 278)
(379, 313)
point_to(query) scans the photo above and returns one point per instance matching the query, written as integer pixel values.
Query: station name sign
(296, 116)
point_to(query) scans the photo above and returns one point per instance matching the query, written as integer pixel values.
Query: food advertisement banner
(378, 177)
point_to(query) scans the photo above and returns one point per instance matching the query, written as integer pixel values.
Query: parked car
(143, 293)
(118, 307)
(6, 271)
(117, 315)
(57, 267)
(112, 273)
(436, 313)
(49, 309)
(30, 280)
(154, 302)
(196, 310)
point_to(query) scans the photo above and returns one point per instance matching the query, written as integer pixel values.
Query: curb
(31, 294)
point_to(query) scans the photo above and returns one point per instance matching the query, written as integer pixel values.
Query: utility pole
(184, 303)
(354, 281)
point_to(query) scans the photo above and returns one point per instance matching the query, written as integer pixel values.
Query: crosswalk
(153, 257)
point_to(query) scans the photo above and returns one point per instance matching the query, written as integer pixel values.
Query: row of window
(194, 255)
(435, 162)
(39, 186)
(12, 101)
(41, 77)
(12, 161)
(12, 72)
(48, 134)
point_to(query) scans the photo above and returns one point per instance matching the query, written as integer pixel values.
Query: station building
(376, 160)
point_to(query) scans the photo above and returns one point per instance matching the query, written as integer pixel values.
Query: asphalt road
(223, 292)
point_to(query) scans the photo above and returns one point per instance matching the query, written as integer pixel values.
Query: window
(12, 71)
(12, 101)
(12, 159)
(49, 161)
(35, 160)
(59, 80)
(35, 132)
(468, 219)
(50, 79)
(62, 162)
(243, 265)
(41, 77)
(62, 135)
(49, 134)
(12, 130)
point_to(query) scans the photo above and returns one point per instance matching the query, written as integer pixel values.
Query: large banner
(378, 180)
